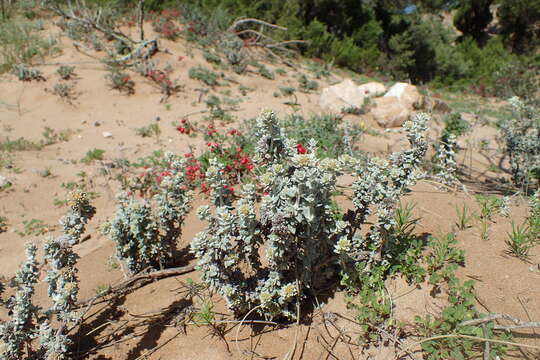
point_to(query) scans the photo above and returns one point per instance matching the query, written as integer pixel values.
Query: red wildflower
(300, 149)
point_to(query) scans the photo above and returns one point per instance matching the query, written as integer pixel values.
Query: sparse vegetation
(93, 155)
(206, 76)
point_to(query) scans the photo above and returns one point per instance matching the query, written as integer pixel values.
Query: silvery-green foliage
(58, 252)
(445, 159)
(521, 136)
(62, 273)
(145, 231)
(233, 48)
(377, 190)
(80, 211)
(20, 330)
(296, 228)
(54, 345)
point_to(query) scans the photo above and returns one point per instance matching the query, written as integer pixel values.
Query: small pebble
(107, 134)
(97, 123)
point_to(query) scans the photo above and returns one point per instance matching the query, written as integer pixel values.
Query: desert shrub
(27, 321)
(25, 73)
(446, 149)
(120, 81)
(146, 231)
(302, 235)
(204, 75)
(520, 135)
(66, 72)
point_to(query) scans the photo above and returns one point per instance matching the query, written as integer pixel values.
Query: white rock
(372, 88)
(397, 105)
(406, 93)
(347, 93)
(4, 181)
(106, 134)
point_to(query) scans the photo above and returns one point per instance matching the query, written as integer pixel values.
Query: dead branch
(518, 324)
(241, 21)
(135, 282)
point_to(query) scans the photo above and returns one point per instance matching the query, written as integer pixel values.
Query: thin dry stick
(528, 317)
(460, 336)
(240, 326)
(257, 21)
(130, 282)
(518, 324)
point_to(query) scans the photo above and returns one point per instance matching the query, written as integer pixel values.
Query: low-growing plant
(93, 155)
(265, 73)
(303, 237)
(25, 73)
(211, 57)
(518, 242)
(307, 85)
(20, 144)
(52, 136)
(65, 91)
(66, 72)
(148, 131)
(34, 227)
(120, 81)
(206, 76)
(464, 217)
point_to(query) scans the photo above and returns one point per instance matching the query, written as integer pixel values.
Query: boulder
(341, 95)
(347, 93)
(397, 105)
(389, 112)
(372, 88)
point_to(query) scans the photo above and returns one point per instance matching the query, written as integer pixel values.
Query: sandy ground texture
(147, 323)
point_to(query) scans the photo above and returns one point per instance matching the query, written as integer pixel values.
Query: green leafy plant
(148, 131)
(93, 155)
(464, 217)
(34, 227)
(206, 76)
(25, 73)
(265, 73)
(307, 85)
(66, 72)
(518, 241)
(120, 81)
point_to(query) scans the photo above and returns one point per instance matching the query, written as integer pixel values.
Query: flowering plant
(305, 241)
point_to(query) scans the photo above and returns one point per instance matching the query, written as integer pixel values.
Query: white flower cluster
(146, 231)
(297, 229)
(521, 136)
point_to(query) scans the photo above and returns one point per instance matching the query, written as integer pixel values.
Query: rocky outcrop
(347, 94)
(397, 105)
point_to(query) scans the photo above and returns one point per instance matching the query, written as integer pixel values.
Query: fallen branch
(238, 22)
(518, 324)
(136, 282)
